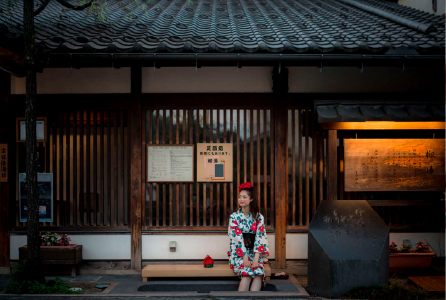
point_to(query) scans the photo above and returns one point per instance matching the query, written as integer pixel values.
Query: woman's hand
(255, 264)
(247, 262)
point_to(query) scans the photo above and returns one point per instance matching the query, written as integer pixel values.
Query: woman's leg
(256, 283)
(244, 284)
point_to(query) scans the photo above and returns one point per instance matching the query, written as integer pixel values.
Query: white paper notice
(40, 130)
(170, 164)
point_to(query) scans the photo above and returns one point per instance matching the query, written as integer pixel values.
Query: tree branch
(41, 7)
(74, 7)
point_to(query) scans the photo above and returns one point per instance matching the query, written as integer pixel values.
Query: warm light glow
(383, 125)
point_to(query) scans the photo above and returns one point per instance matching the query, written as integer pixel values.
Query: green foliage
(393, 290)
(405, 248)
(33, 287)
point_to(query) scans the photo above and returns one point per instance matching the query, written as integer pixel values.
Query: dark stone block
(347, 247)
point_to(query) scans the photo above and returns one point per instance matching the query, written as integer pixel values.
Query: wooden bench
(220, 270)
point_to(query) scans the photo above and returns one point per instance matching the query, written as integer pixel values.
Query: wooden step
(191, 271)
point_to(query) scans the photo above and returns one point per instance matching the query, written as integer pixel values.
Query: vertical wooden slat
(307, 168)
(116, 166)
(321, 166)
(150, 141)
(88, 166)
(341, 167)
(69, 199)
(101, 171)
(211, 185)
(245, 147)
(293, 157)
(251, 145)
(332, 165)
(81, 170)
(95, 168)
(76, 215)
(272, 167)
(225, 185)
(184, 185)
(258, 160)
(121, 149)
(177, 186)
(60, 202)
(265, 165)
(300, 168)
(109, 169)
(190, 125)
(204, 184)
(197, 187)
(238, 151)
(218, 184)
(231, 185)
(314, 169)
(170, 185)
(157, 223)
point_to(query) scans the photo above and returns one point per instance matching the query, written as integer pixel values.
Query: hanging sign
(3, 162)
(214, 162)
(45, 201)
(170, 163)
(40, 129)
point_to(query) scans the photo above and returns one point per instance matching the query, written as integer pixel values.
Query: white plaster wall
(94, 247)
(425, 5)
(191, 246)
(207, 80)
(99, 247)
(350, 80)
(82, 81)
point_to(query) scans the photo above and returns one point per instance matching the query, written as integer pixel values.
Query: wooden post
(5, 89)
(332, 180)
(135, 169)
(280, 88)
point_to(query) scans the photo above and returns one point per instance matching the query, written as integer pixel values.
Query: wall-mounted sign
(394, 164)
(40, 129)
(214, 162)
(170, 163)
(45, 190)
(3, 162)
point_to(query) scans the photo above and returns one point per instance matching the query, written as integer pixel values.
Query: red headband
(245, 185)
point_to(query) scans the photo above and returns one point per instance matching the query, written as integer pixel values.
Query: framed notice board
(41, 123)
(394, 164)
(45, 190)
(170, 163)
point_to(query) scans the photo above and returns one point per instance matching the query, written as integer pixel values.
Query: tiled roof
(288, 26)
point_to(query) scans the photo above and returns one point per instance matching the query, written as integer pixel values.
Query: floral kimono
(239, 224)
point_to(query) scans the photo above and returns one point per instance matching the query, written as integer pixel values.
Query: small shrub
(422, 248)
(33, 287)
(406, 248)
(393, 290)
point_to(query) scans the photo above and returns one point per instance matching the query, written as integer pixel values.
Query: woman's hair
(254, 203)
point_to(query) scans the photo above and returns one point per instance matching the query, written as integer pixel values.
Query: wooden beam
(12, 63)
(403, 202)
(383, 125)
(332, 180)
(136, 170)
(281, 180)
(5, 89)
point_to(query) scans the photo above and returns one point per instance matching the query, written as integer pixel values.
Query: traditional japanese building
(287, 83)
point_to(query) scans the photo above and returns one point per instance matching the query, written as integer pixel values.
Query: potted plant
(407, 258)
(56, 250)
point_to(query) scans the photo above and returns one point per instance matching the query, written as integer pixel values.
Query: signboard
(214, 162)
(40, 129)
(394, 164)
(3, 162)
(170, 163)
(45, 191)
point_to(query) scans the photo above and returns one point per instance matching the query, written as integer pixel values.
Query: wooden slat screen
(208, 205)
(306, 167)
(87, 152)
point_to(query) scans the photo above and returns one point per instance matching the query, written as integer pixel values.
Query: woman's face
(244, 199)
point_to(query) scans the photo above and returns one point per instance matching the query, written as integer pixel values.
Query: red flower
(241, 266)
(238, 231)
(232, 267)
(239, 252)
(254, 227)
(235, 223)
(261, 249)
(245, 185)
(266, 253)
(244, 274)
(262, 229)
(229, 253)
